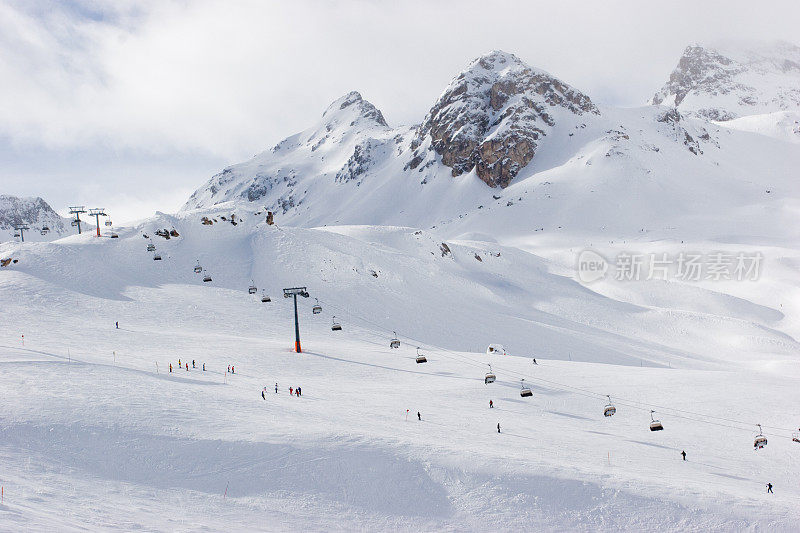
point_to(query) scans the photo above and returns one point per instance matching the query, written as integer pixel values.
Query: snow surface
(96, 433)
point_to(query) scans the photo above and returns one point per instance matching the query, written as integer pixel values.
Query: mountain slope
(44, 222)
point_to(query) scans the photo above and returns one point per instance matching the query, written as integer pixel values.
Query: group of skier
(186, 365)
(296, 391)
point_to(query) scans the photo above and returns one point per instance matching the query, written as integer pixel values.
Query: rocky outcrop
(493, 115)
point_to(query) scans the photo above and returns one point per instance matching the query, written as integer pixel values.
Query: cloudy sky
(131, 105)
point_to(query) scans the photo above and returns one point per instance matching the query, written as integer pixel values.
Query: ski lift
(109, 223)
(151, 247)
(45, 230)
(655, 425)
(264, 297)
(490, 377)
(317, 309)
(156, 257)
(252, 289)
(206, 277)
(609, 409)
(336, 326)
(198, 268)
(761, 440)
(395, 342)
(420, 357)
(74, 223)
(525, 391)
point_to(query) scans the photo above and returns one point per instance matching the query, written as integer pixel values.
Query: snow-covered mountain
(44, 222)
(732, 81)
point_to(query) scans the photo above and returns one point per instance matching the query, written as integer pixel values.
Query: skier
(291, 389)
(276, 387)
(204, 367)
(233, 370)
(229, 368)
(187, 366)
(299, 392)
(498, 427)
(769, 488)
(491, 404)
(683, 453)
(262, 395)
(534, 361)
(193, 363)
(170, 367)
(179, 362)
(117, 324)
(419, 416)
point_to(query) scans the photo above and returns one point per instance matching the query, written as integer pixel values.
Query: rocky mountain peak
(493, 115)
(34, 212)
(352, 107)
(734, 80)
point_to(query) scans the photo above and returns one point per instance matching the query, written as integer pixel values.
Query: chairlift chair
(74, 223)
(395, 342)
(45, 230)
(16, 235)
(609, 409)
(420, 357)
(206, 277)
(109, 223)
(525, 391)
(151, 247)
(317, 309)
(114, 236)
(252, 289)
(655, 425)
(335, 326)
(198, 268)
(264, 297)
(156, 257)
(490, 377)
(760, 440)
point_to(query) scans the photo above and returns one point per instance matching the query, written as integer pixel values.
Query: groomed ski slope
(97, 434)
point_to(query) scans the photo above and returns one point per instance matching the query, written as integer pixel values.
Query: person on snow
(187, 366)
(491, 404)
(769, 488)
(204, 367)
(419, 416)
(299, 391)
(229, 368)
(534, 361)
(233, 369)
(193, 363)
(179, 362)
(262, 395)
(683, 453)
(276, 388)
(117, 324)
(291, 391)
(498, 427)
(170, 367)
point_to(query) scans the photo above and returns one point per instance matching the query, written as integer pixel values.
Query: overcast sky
(133, 105)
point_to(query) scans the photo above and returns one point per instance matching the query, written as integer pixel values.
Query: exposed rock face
(723, 85)
(493, 115)
(33, 211)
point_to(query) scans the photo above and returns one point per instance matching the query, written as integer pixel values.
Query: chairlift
(655, 425)
(109, 223)
(490, 377)
(156, 257)
(420, 357)
(151, 247)
(609, 409)
(264, 297)
(252, 289)
(395, 342)
(206, 277)
(198, 268)
(761, 440)
(336, 326)
(317, 309)
(525, 391)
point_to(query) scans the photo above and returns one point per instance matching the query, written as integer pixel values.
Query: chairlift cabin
(156, 257)
(198, 268)
(525, 391)
(264, 297)
(252, 289)
(335, 326)
(609, 409)
(655, 425)
(395, 342)
(206, 277)
(490, 377)
(495, 349)
(317, 309)
(151, 247)
(420, 357)
(760, 440)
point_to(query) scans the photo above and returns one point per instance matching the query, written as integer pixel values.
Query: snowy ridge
(34, 212)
